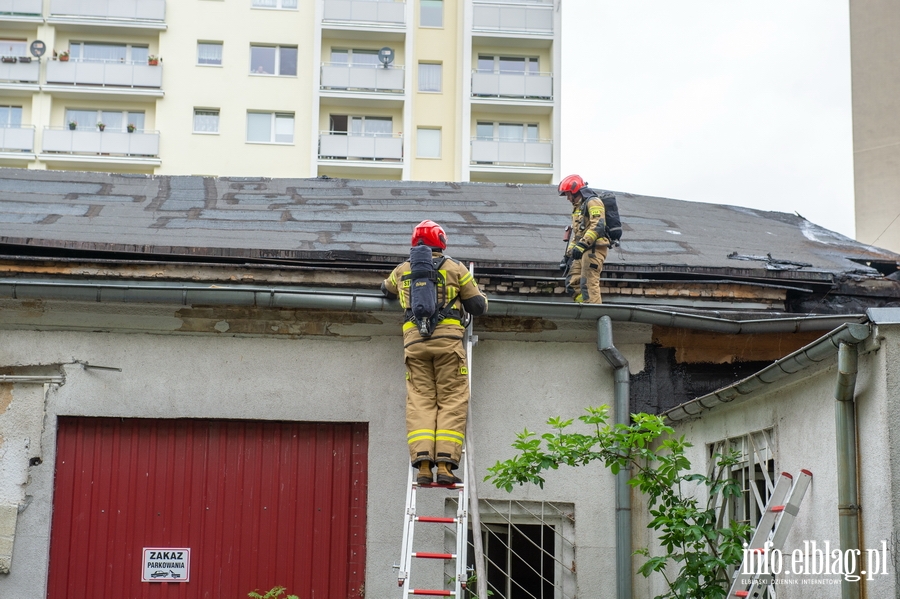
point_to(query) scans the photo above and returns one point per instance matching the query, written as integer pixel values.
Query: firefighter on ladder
(437, 382)
(589, 244)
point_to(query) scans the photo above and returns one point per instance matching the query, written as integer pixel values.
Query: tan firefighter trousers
(437, 397)
(584, 276)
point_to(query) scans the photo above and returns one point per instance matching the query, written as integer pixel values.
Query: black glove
(578, 250)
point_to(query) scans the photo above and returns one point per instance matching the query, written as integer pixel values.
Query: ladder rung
(437, 519)
(741, 593)
(437, 486)
(777, 508)
(426, 555)
(430, 592)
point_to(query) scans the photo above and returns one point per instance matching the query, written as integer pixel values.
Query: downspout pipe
(847, 460)
(622, 413)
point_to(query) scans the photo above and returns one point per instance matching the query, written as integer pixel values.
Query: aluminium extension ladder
(461, 521)
(770, 534)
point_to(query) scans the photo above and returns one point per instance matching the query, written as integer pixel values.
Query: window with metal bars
(755, 473)
(529, 550)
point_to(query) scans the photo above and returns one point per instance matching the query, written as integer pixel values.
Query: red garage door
(259, 504)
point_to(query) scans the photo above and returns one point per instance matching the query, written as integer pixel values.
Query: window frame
(422, 13)
(126, 118)
(277, 64)
(221, 53)
(11, 110)
(440, 80)
(279, 5)
(194, 129)
(440, 145)
(273, 123)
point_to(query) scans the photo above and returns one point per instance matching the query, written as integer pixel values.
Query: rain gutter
(187, 294)
(815, 352)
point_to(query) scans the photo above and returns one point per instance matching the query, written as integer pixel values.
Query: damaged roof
(512, 226)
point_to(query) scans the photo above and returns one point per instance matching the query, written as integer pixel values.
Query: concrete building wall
(874, 47)
(345, 369)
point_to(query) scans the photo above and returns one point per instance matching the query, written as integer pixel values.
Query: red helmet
(571, 184)
(429, 233)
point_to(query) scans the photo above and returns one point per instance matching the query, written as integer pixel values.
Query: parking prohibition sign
(166, 564)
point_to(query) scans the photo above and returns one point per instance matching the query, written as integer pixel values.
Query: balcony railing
(129, 10)
(20, 72)
(17, 138)
(504, 17)
(513, 153)
(387, 147)
(376, 12)
(362, 77)
(113, 143)
(512, 85)
(21, 8)
(110, 74)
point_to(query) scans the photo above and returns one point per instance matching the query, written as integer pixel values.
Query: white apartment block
(436, 90)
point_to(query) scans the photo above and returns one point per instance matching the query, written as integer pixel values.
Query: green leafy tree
(696, 551)
(273, 593)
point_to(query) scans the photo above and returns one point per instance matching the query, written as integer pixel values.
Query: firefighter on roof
(437, 382)
(589, 243)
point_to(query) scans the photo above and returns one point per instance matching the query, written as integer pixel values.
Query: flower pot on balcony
(72, 126)
(153, 60)
(131, 128)
(7, 59)
(64, 57)
(101, 126)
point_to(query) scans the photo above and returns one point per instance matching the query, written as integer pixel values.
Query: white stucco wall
(349, 373)
(802, 413)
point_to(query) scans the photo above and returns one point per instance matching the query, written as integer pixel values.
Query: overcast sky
(722, 101)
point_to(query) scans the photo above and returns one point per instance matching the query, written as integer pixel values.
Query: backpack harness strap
(446, 310)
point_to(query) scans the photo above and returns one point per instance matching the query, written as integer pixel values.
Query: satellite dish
(386, 56)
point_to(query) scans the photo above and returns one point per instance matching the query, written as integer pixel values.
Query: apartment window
(95, 52)
(428, 143)
(14, 48)
(10, 116)
(355, 57)
(284, 4)
(488, 131)
(508, 64)
(429, 77)
(431, 13)
(114, 120)
(206, 120)
(270, 127)
(366, 126)
(209, 53)
(273, 60)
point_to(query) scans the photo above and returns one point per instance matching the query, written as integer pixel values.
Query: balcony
(535, 86)
(377, 148)
(146, 14)
(17, 139)
(27, 71)
(363, 78)
(498, 152)
(115, 77)
(370, 13)
(21, 10)
(499, 17)
(140, 147)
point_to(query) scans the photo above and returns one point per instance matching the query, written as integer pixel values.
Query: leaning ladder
(462, 513)
(770, 534)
